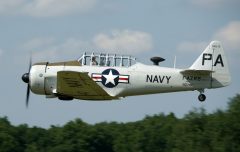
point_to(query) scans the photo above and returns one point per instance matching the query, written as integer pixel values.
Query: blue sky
(56, 30)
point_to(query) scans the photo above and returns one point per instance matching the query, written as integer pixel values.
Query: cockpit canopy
(103, 59)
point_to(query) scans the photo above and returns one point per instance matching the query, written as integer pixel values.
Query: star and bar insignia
(110, 78)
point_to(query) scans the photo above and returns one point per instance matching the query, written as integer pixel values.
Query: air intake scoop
(156, 60)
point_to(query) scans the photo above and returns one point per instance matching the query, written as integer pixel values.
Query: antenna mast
(175, 60)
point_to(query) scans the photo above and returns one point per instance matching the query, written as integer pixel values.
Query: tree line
(197, 131)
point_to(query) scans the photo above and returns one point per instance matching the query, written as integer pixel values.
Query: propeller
(25, 78)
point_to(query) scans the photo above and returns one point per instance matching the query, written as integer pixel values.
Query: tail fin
(213, 59)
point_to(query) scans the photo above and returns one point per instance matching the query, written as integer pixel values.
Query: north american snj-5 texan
(105, 76)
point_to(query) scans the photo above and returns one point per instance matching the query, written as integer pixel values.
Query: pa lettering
(208, 57)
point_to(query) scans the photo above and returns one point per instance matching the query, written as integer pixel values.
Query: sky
(59, 30)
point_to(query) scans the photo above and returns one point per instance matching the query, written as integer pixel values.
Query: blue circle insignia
(110, 78)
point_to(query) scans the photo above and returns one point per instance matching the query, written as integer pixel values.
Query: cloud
(207, 3)
(10, 6)
(53, 49)
(125, 40)
(214, 3)
(38, 42)
(228, 35)
(118, 41)
(191, 46)
(45, 8)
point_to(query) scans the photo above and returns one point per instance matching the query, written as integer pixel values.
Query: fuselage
(138, 79)
(106, 76)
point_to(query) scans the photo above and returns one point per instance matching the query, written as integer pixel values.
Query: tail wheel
(201, 97)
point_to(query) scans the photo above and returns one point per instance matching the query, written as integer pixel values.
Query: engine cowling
(37, 78)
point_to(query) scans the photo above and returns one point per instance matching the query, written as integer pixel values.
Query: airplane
(102, 76)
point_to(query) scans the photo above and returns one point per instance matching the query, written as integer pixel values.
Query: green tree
(196, 131)
(7, 140)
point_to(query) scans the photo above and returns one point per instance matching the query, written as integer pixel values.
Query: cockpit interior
(103, 59)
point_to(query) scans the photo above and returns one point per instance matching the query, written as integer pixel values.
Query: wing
(80, 86)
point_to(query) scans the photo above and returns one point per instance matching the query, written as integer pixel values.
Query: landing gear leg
(201, 97)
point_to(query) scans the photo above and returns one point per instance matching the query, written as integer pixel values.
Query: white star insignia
(110, 78)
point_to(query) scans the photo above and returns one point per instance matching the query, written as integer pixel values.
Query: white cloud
(191, 46)
(118, 41)
(50, 48)
(57, 7)
(230, 36)
(126, 41)
(214, 3)
(45, 8)
(38, 42)
(10, 6)
(207, 3)
(70, 48)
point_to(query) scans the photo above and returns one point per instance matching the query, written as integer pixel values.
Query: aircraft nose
(25, 77)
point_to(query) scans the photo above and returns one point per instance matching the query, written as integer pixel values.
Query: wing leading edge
(80, 86)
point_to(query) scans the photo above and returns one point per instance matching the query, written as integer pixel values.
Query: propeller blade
(27, 95)
(30, 64)
(28, 87)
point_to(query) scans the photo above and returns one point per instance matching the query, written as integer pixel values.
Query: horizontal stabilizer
(196, 72)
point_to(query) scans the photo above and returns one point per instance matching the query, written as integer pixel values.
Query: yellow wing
(80, 86)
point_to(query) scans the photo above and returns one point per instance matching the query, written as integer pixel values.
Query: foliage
(197, 131)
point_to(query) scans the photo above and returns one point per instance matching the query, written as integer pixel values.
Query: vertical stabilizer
(213, 59)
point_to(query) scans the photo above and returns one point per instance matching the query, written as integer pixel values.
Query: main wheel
(201, 97)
